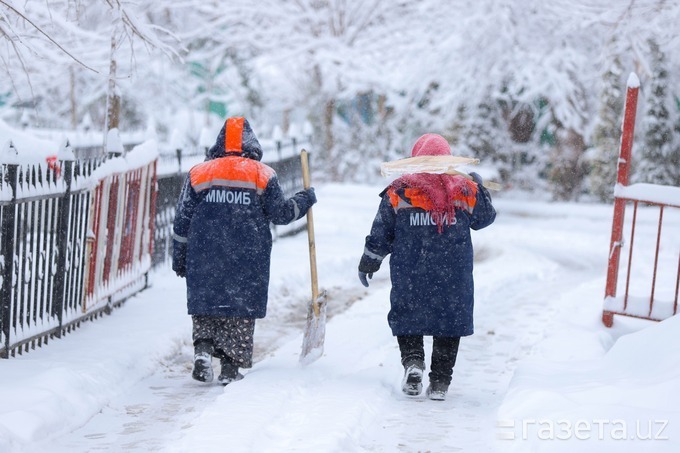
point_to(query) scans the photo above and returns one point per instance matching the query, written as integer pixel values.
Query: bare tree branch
(40, 30)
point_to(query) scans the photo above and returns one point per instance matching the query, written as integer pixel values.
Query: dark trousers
(444, 353)
(226, 337)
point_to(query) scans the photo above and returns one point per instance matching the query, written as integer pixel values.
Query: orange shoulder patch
(412, 197)
(231, 171)
(418, 199)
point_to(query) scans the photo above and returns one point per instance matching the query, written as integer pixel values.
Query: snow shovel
(315, 327)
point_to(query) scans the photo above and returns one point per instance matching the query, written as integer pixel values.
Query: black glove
(476, 178)
(180, 269)
(362, 277)
(366, 268)
(304, 200)
(179, 258)
(311, 195)
(369, 265)
(306, 197)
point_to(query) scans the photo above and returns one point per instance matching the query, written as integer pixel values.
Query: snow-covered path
(349, 400)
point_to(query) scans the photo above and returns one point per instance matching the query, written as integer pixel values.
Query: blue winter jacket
(431, 272)
(222, 240)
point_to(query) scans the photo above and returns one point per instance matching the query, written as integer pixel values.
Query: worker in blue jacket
(424, 222)
(222, 244)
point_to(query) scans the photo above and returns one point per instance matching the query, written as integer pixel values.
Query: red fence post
(627, 131)
(94, 241)
(152, 207)
(111, 221)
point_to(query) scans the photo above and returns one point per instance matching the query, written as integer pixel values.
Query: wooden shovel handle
(304, 158)
(488, 184)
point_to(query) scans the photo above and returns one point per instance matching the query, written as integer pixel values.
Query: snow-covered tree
(567, 168)
(371, 75)
(78, 39)
(607, 133)
(480, 138)
(316, 54)
(486, 136)
(122, 22)
(34, 40)
(660, 157)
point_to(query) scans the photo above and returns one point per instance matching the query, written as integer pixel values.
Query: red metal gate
(648, 306)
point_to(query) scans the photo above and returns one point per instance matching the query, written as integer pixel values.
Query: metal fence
(75, 242)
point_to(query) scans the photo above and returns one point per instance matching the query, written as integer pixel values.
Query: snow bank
(627, 399)
(639, 306)
(654, 193)
(28, 146)
(54, 389)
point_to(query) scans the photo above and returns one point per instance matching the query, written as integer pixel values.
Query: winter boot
(203, 362)
(229, 372)
(436, 391)
(412, 384)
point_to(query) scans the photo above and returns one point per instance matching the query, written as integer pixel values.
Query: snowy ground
(122, 383)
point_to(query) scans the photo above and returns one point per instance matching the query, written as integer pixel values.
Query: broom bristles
(425, 164)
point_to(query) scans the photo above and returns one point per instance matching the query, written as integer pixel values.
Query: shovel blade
(315, 331)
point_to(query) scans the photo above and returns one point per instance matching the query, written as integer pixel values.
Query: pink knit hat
(431, 145)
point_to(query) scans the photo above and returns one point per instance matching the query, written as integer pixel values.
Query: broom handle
(488, 184)
(310, 233)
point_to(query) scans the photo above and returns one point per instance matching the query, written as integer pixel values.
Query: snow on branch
(40, 30)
